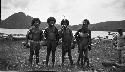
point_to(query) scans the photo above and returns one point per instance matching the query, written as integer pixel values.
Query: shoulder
(46, 28)
(116, 36)
(55, 28)
(79, 30)
(89, 30)
(69, 29)
(30, 29)
(40, 30)
(60, 30)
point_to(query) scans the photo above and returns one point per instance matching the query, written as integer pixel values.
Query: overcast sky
(74, 10)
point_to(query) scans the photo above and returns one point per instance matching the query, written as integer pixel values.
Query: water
(103, 34)
(97, 33)
(14, 31)
(24, 32)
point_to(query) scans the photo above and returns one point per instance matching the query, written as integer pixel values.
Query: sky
(74, 10)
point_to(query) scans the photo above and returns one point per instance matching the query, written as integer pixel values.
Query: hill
(108, 26)
(103, 26)
(16, 21)
(21, 21)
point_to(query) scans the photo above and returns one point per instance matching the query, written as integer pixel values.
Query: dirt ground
(14, 57)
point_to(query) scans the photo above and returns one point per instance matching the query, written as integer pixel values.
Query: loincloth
(34, 43)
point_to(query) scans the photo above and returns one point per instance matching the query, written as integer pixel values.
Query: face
(36, 24)
(51, 23)
(84, 22)
(64, 25)
(85, 26)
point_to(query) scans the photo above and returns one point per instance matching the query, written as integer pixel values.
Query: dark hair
(65, 21)
(51, 19)
(35, 19)
(86, 20)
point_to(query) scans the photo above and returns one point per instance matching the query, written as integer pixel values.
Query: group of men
(52, 36)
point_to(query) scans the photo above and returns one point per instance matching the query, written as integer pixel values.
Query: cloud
(114, 3)
(57, 6)
(20, 3)
(117, 6)
(5, 4)
(74, 10)
(4, 7)
(15, 3)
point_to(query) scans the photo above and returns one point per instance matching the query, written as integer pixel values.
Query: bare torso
(36, 34)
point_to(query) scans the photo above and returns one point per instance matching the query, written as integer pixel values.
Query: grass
(13, 56)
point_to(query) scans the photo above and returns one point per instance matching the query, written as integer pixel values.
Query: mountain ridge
(22, 21)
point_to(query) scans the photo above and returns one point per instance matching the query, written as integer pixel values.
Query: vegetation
(14, 56)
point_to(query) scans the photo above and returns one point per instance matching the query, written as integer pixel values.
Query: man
(52, 38)
(34, 36)
(66, 35)
(120, 39)
(83, 38)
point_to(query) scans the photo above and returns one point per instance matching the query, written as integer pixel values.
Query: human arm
(77, 33)
(71, 34)
(46, 33)
(57, 34)
(89, 47)
(89, 37)
(41, 35)
(28, 36)
(60, 33)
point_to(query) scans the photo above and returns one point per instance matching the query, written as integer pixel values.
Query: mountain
(21, 21)
(103, 26)
(108, 26)
(17, 21)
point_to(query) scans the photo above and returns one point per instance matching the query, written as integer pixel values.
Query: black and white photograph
(62, 36)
